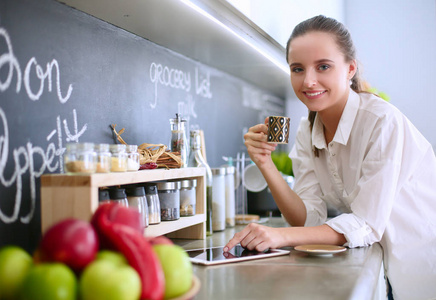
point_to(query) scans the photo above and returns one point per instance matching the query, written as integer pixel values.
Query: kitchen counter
(353, 274)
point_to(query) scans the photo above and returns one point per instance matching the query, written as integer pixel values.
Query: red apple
(72, 242)
(159, 240)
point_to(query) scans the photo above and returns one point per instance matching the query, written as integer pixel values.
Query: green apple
(177, 269)
(15, 263)
(116, 257)
(49, 281)
(109, 280)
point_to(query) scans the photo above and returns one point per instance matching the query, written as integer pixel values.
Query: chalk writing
(202, 85)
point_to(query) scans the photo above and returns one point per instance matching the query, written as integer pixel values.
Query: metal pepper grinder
(178, 139)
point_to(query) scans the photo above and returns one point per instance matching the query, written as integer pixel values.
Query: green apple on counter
(15, 263)
(50, 281)
(177, 269)
(109, 277)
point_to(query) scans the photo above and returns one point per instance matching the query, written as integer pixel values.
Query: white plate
(320, 249)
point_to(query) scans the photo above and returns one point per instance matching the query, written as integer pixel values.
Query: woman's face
(320, 75)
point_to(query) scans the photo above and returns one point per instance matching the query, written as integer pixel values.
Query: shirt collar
(344, 127)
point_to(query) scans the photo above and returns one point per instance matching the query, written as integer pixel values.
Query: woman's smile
(314, 94)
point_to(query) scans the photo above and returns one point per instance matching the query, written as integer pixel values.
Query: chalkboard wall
(66, 76)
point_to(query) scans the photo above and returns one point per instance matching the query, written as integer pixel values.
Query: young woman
(357, 153)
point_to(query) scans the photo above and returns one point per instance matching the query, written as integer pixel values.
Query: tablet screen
(216, 255)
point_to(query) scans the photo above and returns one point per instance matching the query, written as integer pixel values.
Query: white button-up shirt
(380, 172)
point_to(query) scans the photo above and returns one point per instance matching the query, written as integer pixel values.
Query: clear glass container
(137, 200)
(80, 158)
(178, 141)
(188, 197)
(132, 158)
(218, 199)
(103, 158)
(119, 158)
(153, 203)
(118, 195)
(169, 198)
(196, 160)
(230, 196)
(103, 196)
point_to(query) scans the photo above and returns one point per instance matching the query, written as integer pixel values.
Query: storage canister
(153, 203)
(80, 158)
(137, 200)
(118, 195)
(132, 158)
(188, 197)
(230, 196)
(103, 196)
(119, 158)
(103, 158)
(218, 199)
(169, 198)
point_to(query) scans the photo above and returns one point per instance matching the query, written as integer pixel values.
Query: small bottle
(178, 141)
(230, 196)
(80, 158)
(169, 198)
(218, 199)
(118, 195)
(103, 196)
(153, 203)
(188, 197)
(137, 200)
(132, 158)
(103, 158)
(196, 160)
(119, 158)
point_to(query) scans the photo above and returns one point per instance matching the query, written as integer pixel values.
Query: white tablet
(216, 255)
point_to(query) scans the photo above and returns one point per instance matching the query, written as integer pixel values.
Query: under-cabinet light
(284, 68)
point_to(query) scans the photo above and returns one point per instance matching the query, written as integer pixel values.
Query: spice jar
(118, 195)
(178, 141)
(230, 196)
(137, 200)
(218, 199)
(103, 196)
(119, 158)
(169, 198)
(153, 203)
(132, 158)
(80, 158)
(188, 197)
(103, 158)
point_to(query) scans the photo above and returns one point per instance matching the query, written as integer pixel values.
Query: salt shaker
(118, 195)
(137, 200)
(153, 203)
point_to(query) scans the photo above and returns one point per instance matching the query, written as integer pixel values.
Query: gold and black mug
(278, 129)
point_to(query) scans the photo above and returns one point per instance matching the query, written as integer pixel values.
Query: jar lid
(218, 171)
(85, 146)
(136, 191)
(168, 185)
(230, 170)
(103, 195)
(188, 183)
(102, 147)
(116, 193)
(151, 189)
(117, 147)
(132, 148)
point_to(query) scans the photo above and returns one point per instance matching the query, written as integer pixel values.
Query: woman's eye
(324, 67)
(296, 70)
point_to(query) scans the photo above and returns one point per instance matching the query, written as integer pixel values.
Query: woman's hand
(257, 146)
(257, 237)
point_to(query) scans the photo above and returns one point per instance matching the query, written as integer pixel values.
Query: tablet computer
(216, 255)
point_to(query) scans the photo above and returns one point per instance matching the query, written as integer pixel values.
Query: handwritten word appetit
(178, 79)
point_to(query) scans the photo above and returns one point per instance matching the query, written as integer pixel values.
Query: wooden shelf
(76, 196)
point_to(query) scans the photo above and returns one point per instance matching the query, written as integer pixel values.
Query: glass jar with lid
(169, 198)
(80, 158)
(119, 158)
(103, 158)
(118, 195)
(132, 158)
(188, 197)
(137, 200)
(153, 203)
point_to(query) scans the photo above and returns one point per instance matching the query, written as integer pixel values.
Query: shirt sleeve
(378, 185)
(306, 184)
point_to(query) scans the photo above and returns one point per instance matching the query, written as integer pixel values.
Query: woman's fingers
(252, 237)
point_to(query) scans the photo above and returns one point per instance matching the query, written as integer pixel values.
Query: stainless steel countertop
(353, 274)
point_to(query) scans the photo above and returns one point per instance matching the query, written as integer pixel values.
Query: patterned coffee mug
(278, 129)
